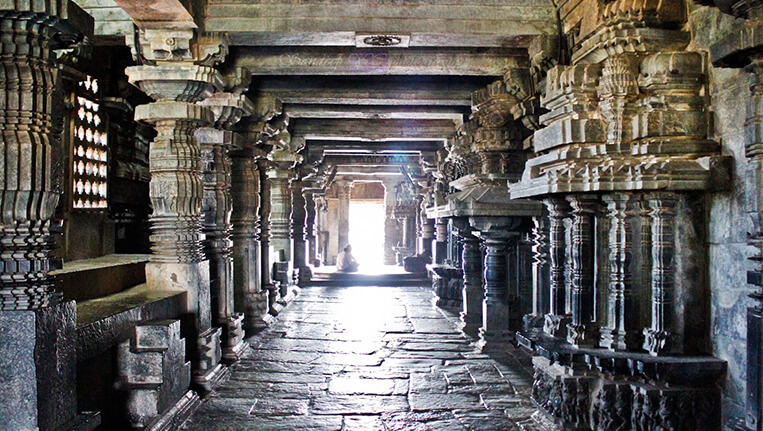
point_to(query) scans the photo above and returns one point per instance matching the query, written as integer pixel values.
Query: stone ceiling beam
(348, 38)
(508, 18)
(165, 14)
(374, 112)
(374, 129)
(364, 147)
(411, 61)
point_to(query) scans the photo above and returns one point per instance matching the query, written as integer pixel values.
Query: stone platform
(370, 358)
(385, 275)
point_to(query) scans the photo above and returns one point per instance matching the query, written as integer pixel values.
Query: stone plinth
(153, 371)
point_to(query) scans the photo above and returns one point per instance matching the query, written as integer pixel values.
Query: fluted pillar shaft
(661, 337)
(251, 298)
(540, 274)
(280, 212)
(499, 321)
(31, 181)
(557, 317)
(264, 216)
(621, 331)
(297, 231)
(471, 263)
(311, 228)
(582, 330)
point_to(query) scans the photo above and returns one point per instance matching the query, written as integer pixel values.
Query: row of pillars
(607, 271)
(610, 271)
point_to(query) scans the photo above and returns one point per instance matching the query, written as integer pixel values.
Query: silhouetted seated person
(345, 261)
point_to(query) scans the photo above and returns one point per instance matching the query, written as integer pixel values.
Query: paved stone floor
(369, 358)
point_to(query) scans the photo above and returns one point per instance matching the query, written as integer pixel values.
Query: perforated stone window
(89, 139)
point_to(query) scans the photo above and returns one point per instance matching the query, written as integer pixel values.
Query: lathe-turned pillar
(250, 296)
(621, 331)
(390, 223)
(344, 189)
(583, 329)
(297, 232)
(471, 264)
(557, 317)
(176, 192)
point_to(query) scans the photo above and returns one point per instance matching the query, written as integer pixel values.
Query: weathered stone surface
(299, 375)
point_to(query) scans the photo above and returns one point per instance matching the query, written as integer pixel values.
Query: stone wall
(728, 221)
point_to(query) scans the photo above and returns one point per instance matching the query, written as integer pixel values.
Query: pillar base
(496, 341)
(39, 368)
(208, 372)
(213, 378)
(472, 311)
(234, 345)
(556, 325)
(177, 414)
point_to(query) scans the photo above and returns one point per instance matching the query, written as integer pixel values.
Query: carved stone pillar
(471, 264)
(280, 212)
(390, 224)
(176, 192)
(540, 275)
(582, 330)
(499, 321)
(661, 338)
(427, 233)
(621, 331)
(441, 240)
(311, 228)
(557, 317)
(344, 189)
(228, 109)
(250, 298)
(299, 248)
(37, 330)
(265, 271)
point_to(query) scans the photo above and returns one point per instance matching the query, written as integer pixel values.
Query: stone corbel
(210, 49)
(158, 45)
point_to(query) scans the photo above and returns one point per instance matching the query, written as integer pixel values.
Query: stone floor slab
(369, 358)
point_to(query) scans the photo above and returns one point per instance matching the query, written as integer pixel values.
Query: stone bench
(87, 279)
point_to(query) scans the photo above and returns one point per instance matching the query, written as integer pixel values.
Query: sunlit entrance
(367, 232)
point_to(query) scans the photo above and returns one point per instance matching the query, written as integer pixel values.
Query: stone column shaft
(343, 192)
(250, 296)
(540, 274)
(264, 216)
(499, 321)
(217, 229)
(311, 228)
(441, 240)
(582, 329)
(37, 330)
(280, 212)
(621, 330)
(297, 233)
(557, 318)
(390, 224)
(176, 192)
(661, 336)
(471, 262)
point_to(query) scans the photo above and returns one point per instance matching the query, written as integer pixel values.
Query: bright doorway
(367, 232)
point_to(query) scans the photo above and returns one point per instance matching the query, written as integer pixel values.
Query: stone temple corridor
(369, 358)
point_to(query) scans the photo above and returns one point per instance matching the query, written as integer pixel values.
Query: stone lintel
(412, 61)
